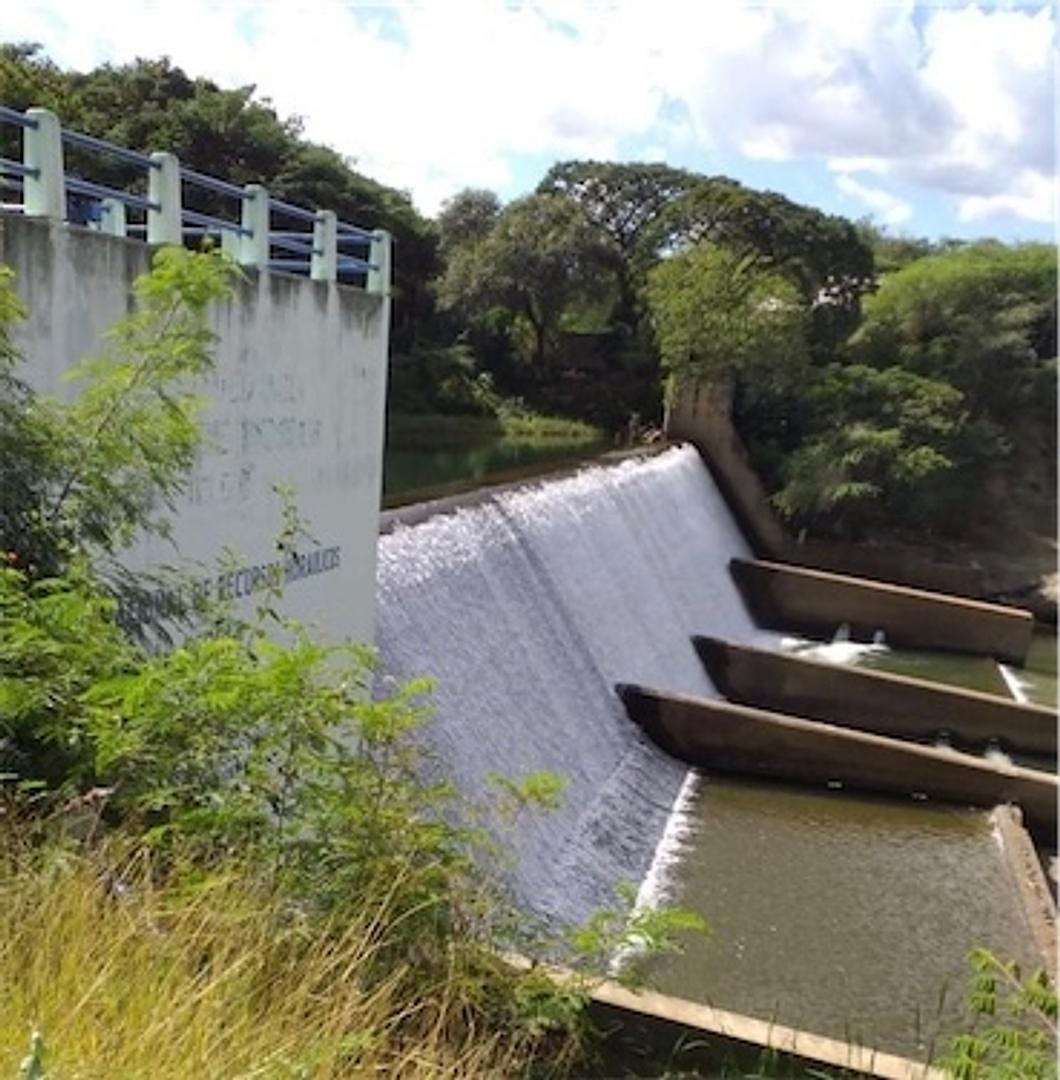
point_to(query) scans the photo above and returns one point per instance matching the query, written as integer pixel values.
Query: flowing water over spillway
(844, 914)
(526, 610)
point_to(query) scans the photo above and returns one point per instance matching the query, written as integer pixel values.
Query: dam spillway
(526, 609)
(527, 606)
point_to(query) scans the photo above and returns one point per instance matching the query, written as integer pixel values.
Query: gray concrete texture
(296, 398)
(817, 603)
(874, 700)
(722, 736)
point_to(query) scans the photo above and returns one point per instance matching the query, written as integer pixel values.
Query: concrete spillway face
(526, 610)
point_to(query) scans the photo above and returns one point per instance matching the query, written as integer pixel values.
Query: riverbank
(436, 430)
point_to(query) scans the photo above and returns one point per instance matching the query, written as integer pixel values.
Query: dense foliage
(718, 317)
(950, 379)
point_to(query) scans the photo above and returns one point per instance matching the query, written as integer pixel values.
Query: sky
(935, 119)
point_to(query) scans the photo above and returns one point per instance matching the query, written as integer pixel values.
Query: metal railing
(321, 249)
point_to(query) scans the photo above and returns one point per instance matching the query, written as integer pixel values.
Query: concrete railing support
(323, 266)
(113, 220)
(163, 188)
(44, 193)
(254, 248)
(379, 255)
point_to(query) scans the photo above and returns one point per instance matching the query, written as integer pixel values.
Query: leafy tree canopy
(466, 218)
(541, 257)
(982, 317)
(623, 199)
(884, 446)
(717, 315)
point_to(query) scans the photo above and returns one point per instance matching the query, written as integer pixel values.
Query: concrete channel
(720, 735)
(874, 701)
(815, 602)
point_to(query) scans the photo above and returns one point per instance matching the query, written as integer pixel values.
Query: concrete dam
(617, 626)
(528, 606)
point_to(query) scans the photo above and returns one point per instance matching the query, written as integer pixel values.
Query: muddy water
(845, 915)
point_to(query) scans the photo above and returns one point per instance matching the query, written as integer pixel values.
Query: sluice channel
(844, 914)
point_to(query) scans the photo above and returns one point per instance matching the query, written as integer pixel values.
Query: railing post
(324, 267)
(44, 195)
(254, 249)
(230, 244)
(379, 255)
(163, 187)
(113, 220)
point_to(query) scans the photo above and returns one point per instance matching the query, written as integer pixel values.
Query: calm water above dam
(845, 915)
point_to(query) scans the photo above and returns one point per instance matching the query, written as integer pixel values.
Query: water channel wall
(296, 398)
(722, 736)
(816, 602)
(689, 1037)
(874, 700)
(701, 415)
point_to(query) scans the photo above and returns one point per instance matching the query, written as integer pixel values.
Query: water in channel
(845, 915)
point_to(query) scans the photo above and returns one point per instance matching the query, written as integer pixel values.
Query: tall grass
(214, 975)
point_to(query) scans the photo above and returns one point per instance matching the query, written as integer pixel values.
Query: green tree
(981, 317)
(718, 318)
(882, 452)
(541, 259)
(466, 218)
(892, 252)
(623, 199)
(823, 255)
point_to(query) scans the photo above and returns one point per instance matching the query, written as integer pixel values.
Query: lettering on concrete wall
(138, 607)
(253, 413)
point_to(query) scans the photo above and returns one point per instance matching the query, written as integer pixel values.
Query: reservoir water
(846, 915)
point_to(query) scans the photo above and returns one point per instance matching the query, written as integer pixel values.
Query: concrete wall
(721, 736)
(874, 700)
(645, 1030)
(701, 414)
(297, 397)
(814, 602)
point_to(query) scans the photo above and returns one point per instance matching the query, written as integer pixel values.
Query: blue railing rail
(324, 249)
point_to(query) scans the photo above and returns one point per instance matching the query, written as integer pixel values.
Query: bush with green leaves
(882, 455)
(1013, 1036)
(248, 748)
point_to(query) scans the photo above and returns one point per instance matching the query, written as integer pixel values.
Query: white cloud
(956, 100)
(1032, 197)
(890, 209)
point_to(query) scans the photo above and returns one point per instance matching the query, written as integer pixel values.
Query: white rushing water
(526, 610)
